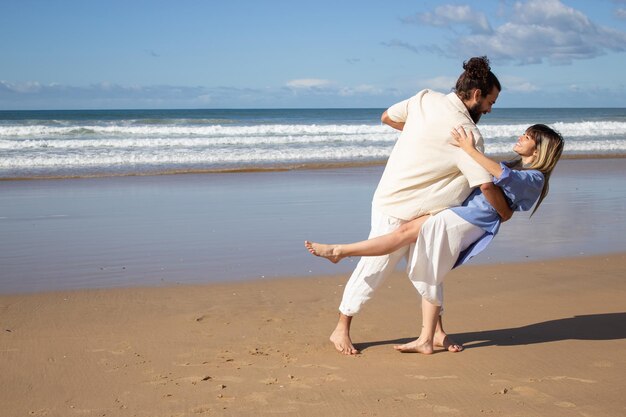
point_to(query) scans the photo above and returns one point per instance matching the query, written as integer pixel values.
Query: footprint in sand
(568, 378)
(417, 396)
(442, 409)
(201, 318)
(428, 378)
(565, 404)
(269, 381)
(532, 394)
(189, 364)
(333, 378)
(258, 398)
(230, 378)
(603, 364)
(121, 349)
(314, 365)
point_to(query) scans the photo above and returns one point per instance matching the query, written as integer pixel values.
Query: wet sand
(190, 229)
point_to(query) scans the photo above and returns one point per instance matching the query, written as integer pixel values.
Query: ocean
(96, 143)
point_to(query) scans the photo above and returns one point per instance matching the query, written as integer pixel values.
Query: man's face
(483, 104)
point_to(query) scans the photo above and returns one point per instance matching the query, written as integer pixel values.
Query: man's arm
(387, 120)
(495, 197)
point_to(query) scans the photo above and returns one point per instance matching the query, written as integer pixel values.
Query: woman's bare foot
(416, 346)
(330, 252)
(443, 340)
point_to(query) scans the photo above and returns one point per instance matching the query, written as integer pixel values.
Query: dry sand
(543, 339)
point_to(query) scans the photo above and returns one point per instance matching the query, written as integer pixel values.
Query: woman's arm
(465, 141)
(492, 193)
(381, 245)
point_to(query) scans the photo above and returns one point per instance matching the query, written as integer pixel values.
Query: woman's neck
(527, 160)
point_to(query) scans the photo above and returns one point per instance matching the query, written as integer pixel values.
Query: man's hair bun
(477, 67)
(476, 75)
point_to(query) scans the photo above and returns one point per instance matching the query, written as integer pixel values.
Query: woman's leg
(382, 245)
(425, 342)
(437, 248)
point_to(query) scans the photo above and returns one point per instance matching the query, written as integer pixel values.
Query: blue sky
(295, 54)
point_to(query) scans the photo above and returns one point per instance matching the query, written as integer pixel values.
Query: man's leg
(369, 273)
(340, 337)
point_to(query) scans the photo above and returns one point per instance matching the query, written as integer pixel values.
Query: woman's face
(525, 146)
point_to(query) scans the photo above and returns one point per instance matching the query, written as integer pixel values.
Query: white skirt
(442, 238)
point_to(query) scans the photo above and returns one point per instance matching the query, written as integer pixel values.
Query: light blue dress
(521, 189)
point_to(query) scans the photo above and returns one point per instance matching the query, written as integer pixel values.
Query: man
(424, 175)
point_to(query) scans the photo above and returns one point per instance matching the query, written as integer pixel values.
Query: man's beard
(475, 112)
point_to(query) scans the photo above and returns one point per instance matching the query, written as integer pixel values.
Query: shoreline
(273, 168)
(542, 338)
(276, 280)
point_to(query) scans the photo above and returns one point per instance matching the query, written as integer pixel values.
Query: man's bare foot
(416, 346)
(330, 252)
(444, 341)
(343, 343)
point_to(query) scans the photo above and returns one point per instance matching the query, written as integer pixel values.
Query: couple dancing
(440, 201)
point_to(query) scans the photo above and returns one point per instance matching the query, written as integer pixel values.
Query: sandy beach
(542, 339)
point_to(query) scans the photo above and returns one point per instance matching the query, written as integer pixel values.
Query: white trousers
(371, 271)
(442, 238)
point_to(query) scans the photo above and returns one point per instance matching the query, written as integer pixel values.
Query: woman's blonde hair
(549, 145)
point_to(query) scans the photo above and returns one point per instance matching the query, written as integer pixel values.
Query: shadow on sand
(609, 326)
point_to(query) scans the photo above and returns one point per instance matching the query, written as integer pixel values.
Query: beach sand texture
(542, 339)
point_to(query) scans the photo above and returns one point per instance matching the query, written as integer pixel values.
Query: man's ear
(477, 94)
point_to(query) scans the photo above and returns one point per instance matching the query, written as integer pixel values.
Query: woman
(453, 236)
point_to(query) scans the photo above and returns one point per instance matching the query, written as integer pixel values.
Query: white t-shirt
(425, 173)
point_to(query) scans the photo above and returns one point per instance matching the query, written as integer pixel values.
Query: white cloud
(360, 90)
(620, 13)
(26, 87)
(33, 94)
(537, 31)
(574, 88)
(438, 83)
(329, 88)
(453, 14)
(308, 83)
(517, 84)
(396, 43)
(104, 95)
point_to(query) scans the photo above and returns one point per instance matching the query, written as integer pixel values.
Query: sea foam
(92, 147)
